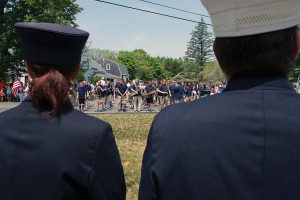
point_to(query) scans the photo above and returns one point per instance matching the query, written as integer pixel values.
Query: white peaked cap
(235, 18)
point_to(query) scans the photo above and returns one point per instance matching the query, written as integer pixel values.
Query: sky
(117, 28)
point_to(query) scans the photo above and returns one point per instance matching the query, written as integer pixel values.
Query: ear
(296, 46)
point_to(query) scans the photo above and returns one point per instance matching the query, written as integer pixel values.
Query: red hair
(50, 86)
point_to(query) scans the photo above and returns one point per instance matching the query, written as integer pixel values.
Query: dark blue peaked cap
(51, 44)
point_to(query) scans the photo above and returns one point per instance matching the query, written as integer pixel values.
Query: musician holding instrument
(162, 94)
(171, 92)
(108, 95)
(150, 90)
(121, 89)
(137, 95)
(178, 92)
(100, 89)
(188, 91)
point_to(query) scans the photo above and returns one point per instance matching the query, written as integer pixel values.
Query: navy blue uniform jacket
(242, 144)
(71, 157)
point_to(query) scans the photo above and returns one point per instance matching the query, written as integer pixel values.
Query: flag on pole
(16, 86)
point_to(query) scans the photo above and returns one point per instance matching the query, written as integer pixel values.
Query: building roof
(120, 68)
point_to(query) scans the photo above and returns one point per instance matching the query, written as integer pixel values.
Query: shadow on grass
(131, 132)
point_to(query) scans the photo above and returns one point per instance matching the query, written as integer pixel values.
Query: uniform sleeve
(148, 184)
(107, 176)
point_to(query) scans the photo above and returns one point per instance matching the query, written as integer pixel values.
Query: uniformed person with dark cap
(48, 150)
(242, 144)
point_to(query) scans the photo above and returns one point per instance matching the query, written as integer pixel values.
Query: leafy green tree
(98, 53)
(211, 71)
(12, 11)
(199, 46)
(192, 69)
(144, 73)
(157, 69)
(80, 76)
(96, 79)
(142, 58)
(172, 66)
(127, 59)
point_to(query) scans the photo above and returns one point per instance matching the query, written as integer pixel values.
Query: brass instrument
(147, 95)
(133, 94)
(188, 99)
(123, 99)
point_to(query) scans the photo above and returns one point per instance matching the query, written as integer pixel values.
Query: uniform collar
(259, 82)
(67, 105)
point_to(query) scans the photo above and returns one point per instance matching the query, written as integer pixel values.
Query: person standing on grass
(241, 144)
(49, 150)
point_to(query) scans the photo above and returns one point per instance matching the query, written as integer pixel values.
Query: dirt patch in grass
(131, 132)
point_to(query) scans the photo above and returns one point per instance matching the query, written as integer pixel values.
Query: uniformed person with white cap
(48, 150)
(242, 144)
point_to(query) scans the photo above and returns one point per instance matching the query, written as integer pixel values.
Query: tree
(172, 66)
(126, 58)
(12, 11)
(211, 71)
(98, 53)
(199, 47)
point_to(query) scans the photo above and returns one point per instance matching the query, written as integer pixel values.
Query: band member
(150, 90)
(178, 92)
(162, 94)
(155, 100)
(171, 92)
(108, 95)
(137, 98)
(81, 96)
(122, 90)
(129, 94)
(101, 90)
(188, 90)
(72, 94)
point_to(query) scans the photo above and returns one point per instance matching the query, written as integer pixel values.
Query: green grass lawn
(131, 132)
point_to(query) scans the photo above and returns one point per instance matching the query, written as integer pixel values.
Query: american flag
(16, 86)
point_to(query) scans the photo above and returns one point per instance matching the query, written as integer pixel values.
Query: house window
(107, 66)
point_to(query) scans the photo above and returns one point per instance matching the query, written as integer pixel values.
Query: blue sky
(117, 28)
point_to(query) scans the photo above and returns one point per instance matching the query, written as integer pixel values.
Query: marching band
(142, 96)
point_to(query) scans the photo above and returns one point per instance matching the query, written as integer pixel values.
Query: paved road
(91, 109)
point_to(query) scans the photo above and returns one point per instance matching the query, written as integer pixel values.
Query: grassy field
(131, 138)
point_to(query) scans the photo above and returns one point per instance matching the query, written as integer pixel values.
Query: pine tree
(199, 47)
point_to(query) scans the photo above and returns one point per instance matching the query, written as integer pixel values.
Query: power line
(152, 12)
(175, 8)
